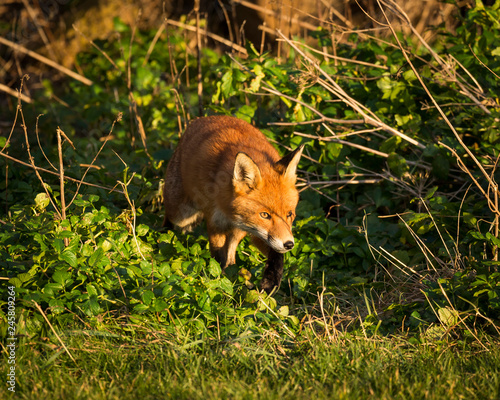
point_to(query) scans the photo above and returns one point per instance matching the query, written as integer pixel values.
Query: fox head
(265, 199)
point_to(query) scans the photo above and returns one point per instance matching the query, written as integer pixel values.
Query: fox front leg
(223, 245)
(273, 271)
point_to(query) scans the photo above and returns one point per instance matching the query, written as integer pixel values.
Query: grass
(247, 367)
(370, 254)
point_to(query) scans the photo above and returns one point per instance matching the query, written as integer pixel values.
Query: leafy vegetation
(251, 367)
(397, 228)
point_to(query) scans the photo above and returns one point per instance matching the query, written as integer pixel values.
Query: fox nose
(288, 245)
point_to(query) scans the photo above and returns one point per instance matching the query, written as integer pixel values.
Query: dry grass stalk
(32, 159)
(40, 30)
(133, 104)
(108, 137)
(8, 90)
(40, 146)
(57, 172)
(153, 42)
(491, 198)
(47, 171)
(61, 174)
(91, 42)
(45, 60)
(198, 57)
(53, 330)
(454, 77)
(211, 35)
(333, 87)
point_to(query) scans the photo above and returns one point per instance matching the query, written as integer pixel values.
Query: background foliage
(392, 236)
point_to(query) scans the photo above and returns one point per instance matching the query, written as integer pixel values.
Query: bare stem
(198, 57)
(61, 174)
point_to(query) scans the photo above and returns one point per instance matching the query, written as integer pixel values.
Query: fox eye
(290, 214)
(265, 215)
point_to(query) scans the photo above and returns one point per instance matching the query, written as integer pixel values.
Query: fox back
(225, 171)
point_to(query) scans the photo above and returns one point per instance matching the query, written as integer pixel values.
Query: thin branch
(40, 146)
(482, 63)
(323, 117)
(117, 119)
(15, 93)
(132, 103)
(91, 42)
(329, 83)
(61, 174)
(45, 60)
(34, 167)
(343, 59)
(40, 30)
(441, 112)
(403, 16)
(53, 330)
(213, 36)
(32, 159)
(153, 43)
(198, 57)
(342, 182)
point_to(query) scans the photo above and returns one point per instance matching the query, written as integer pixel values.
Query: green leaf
(147, 297)
(160, 305)
(255, 83)
(58, 245)
(409, 75)
(397, 164)
(93, 198)
(494, 240)
(227, 83)
(284, 311)
(431, 192)
(81, 203)
(70, 257)
(440, 167)
(252, 296)
(42, 201)
(142, 230)
(61, 277)
(402, 120)
(246, 113)
(66, 234)
(56, 306)
(226, 286)
(448, 316)
(214, 268)
(91, 290)
(96, 256)
(391, 144)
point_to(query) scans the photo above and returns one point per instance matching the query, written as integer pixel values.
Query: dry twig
(45, 60)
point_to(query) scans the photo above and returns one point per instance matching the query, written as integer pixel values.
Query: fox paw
(268, 285)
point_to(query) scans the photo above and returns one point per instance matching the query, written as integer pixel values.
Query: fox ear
(288, 164)
(246, 173)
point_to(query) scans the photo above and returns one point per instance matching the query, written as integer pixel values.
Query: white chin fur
(276, 245)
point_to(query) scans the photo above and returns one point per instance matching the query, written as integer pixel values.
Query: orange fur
(225, 171)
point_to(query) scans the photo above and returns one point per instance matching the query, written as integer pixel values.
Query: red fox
(225, 171)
